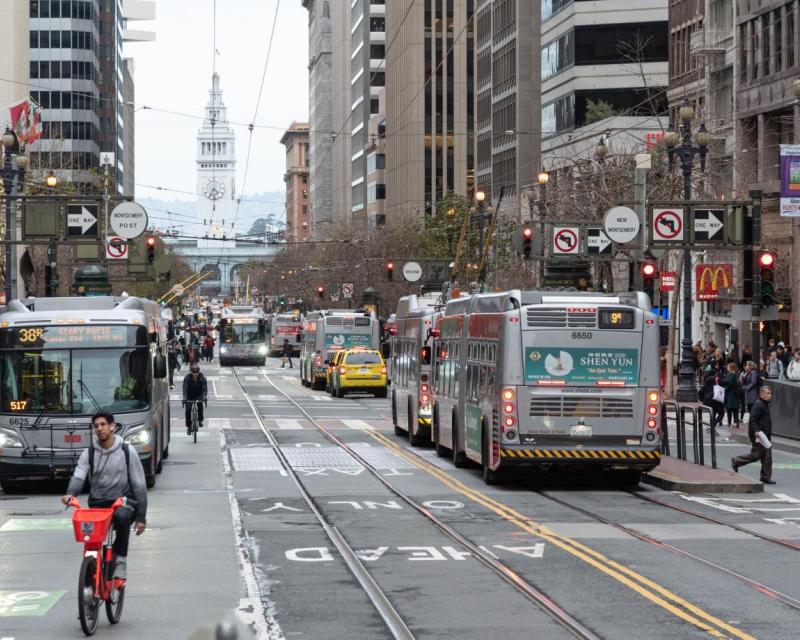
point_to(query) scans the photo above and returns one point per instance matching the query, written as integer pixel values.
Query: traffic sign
(667, 281)
(668, 225)
(566, 240)
(128, 220)
(347, 290)
(412, 272)
(81, 220)
(116, 249)
(621, 224)
(597, 242)
(708, 225)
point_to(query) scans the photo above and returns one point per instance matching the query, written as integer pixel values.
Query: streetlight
(681, 146)
(14, 164)
(601, 149)
(51, 180)
(543, 177)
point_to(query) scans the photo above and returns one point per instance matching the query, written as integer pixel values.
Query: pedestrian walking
(784, 355)
(774, 367)
(208, 348)
(760, 432)
(172, 359)
(751, 382)
(710, 397)
(286, 354)
(793, 370)
(732, 394)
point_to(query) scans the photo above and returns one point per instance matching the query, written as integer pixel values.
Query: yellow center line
(646, 588)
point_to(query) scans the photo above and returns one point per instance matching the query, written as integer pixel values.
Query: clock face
(214, 190)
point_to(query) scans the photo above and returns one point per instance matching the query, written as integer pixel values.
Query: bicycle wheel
(114, 604)
(195, 422)
(88, 603)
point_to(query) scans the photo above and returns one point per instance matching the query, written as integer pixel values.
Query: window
(376, 162)
(34, 69)
(377, 51)
(778, 27)
(765, 45)
(377, 24)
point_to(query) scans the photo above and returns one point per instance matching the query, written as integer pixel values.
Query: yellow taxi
(360, 370)
(331, 368)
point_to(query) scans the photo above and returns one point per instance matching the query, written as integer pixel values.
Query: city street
(228, 529)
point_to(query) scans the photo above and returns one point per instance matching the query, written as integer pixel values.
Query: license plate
(363, 370)
(72, 439)
(376, 376)
(581, 430)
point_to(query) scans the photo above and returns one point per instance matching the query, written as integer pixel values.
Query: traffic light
(151, 249)
(321, 292)
(649, 280)
(523, 240)
(390, 271)
(766, 268)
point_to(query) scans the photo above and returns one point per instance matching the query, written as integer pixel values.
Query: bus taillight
(509, 419)
(652, 423)
(424, 388)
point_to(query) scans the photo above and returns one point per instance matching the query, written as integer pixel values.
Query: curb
(671, 483)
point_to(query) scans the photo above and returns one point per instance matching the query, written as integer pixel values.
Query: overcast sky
(174, 73)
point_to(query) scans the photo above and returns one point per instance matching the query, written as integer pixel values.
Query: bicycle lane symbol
(27, 603)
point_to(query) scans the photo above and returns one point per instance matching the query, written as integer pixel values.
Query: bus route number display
(72, 336)
(616, 319)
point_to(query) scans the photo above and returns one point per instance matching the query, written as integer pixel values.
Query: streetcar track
(749, 582)
(784, 543)
(511, 577)
(380, 601)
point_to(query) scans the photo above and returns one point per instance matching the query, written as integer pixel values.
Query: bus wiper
(89, 393)
(48, 406)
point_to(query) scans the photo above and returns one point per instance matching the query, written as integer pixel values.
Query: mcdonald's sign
(711, 279)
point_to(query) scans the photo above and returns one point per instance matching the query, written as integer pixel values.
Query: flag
(26, 121)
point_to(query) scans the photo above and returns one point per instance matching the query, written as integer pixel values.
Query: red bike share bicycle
(97, 583)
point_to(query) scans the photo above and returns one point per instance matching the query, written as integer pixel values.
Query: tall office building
(508, 101)
(15, 55)
(298, 223)
(429, 105)
(603, 71)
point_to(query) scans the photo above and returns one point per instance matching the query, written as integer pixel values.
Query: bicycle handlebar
(119, 502)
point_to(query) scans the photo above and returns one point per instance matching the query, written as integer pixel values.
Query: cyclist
(112, 471)
(195, 387)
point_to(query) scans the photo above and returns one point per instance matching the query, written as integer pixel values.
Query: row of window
(70, 131)
(504, 17)
(769, 43)
(504, 68)
(214, 165)
(213, 148)
(376, 162)
(63, 9)
(65, 100)
(375, 192)
(65, 159)
(63, 40)
(63, 69)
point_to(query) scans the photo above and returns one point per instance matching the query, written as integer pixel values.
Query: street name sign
(566, 240)
(709, 225)
(597, 242)
(621, 224)
(668, 225)
(412, 271)
(128, 220)
(81, 220)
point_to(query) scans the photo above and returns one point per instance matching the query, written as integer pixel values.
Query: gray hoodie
(110, 480)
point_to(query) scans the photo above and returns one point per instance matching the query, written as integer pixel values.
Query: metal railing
(693, 415)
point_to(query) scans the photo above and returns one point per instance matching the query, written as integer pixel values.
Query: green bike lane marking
(26, 604)
(37, 524)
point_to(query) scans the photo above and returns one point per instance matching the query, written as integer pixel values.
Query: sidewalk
(677, 475)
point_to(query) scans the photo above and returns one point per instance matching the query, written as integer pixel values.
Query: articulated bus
(325, 332)
(550, 381)
(63, 360)
(242, 336)
(284, 326)
(410, 366)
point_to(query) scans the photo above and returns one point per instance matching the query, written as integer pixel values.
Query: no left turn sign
(668, 225)
(566, 240)
(116, 249)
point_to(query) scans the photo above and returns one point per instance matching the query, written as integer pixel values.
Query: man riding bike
(113, 471)
(195, 387)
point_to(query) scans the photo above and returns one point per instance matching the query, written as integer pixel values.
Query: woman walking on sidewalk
(732, 392)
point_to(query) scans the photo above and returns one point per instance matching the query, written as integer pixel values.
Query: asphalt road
(230, 531)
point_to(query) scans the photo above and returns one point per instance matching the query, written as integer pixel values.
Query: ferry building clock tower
(216, 173)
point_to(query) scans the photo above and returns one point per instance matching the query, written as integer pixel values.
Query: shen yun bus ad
(582, 366)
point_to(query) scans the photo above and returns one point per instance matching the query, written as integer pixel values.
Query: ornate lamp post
(14, 164)
(680, 146)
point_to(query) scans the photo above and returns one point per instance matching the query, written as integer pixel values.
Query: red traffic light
(390, 266)
(527, 232)
(151, 241)
(648, 269)
(766, 259)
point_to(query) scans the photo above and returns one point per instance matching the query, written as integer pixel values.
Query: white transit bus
(284, 326)
(327, 331)
(64, 359)
(242, 336)
(549, 380)
(410, 366)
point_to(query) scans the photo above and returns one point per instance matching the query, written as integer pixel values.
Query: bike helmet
(195, 368)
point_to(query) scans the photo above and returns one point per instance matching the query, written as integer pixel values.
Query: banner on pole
(790, 180)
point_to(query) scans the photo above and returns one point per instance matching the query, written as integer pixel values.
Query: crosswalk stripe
(251, 378)
(265, 396)
(322, 398)
(358, 424)
(288, 423)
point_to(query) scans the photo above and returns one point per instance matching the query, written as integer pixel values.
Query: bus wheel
(416, 437)
(397, 430)
(459, 457)
(441, 451)
(489, 476)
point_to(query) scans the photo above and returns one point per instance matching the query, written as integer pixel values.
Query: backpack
(125, 450)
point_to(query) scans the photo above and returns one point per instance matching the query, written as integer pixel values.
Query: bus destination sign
(69, 336)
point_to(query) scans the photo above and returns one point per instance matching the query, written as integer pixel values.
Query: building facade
(14, 61)
(507, 142)
(604, 72)
(430, 106)
(298, 219)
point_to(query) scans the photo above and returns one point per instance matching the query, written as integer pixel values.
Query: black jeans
(123, 518)
(757, 453)
(189, 412)
(732, 416)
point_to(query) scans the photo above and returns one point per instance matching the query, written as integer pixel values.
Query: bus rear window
(363, 358)
(362, 322)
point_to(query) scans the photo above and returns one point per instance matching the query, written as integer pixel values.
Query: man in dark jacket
(286, 354)
(113, 474)
(760, 420)
(195, 388)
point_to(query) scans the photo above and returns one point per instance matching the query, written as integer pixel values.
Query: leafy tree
(596, 111)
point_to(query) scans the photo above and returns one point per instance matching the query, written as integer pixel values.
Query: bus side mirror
(159, 367)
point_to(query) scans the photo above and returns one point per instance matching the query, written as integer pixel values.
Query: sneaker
(188, 431)
(121, 568)
(734, 467)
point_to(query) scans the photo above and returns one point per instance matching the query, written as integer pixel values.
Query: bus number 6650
(581, 335)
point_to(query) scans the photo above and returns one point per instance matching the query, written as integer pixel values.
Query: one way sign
(597, 242)
(708, 225)
(81, 220)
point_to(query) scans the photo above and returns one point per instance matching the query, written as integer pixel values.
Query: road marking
(319, 398)
(642, 585)
(290, 378)
(252, 378)
(288, 423)
(265, 396)
(25, 604)
(252, 608)
(358, 424)
(37, 524)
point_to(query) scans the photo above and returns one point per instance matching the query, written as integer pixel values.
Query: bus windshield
(242, 334)
(74, 369)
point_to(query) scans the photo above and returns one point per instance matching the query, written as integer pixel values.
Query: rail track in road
(393, 620)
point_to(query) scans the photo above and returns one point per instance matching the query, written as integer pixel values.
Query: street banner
(790, 180)
(711, 279)
(25, 119)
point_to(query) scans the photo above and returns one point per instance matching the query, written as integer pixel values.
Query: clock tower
(216, 172)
